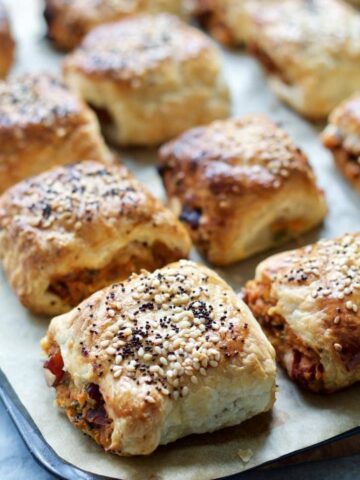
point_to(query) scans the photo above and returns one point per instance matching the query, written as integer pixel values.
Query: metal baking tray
(50, 461)
(250, 94)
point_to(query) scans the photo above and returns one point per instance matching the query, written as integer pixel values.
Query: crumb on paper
(245, 454)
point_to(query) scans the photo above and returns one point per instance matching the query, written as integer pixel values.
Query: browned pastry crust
(42, 124)
(69, 21)
(342, 138)
(226, 20)
(157, 357)
(309, 49)
(74, 229)
(241, 186)
(7, 44)
(152, 76)
(308, 302)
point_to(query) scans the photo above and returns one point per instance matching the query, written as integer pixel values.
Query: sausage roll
(308, 302)
(42, 124)
(7, 44)
(149, 77)
(69, 21)
(241, 186)
(77, 228)
(310, 50)
(342, 138)
(157, 357)
(227, 20)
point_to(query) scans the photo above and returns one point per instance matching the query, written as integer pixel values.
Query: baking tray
(48, 459)
(271, 438)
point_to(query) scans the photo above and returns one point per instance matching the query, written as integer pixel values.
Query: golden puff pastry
(308, 302)
(149, 77)
(7, 44)
(77, 228)
(42, 124)
(342, 138)
(241, 186)
(69, 21)
(227, 20)
(310, 50)
(157, 357)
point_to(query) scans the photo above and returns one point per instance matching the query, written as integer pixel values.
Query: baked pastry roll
(42, 124)
(308, 303)
(7, 44)
(241, 186)
(68, 22)
(227, 20)
(77, 228)
(157, 357)
(342, 138)
(310, 50)
(149, 77)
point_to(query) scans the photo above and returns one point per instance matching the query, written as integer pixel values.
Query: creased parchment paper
(298, 419)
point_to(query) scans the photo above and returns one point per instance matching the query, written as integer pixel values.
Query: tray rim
(51, 462)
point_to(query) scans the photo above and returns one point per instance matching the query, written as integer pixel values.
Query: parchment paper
(298, 419)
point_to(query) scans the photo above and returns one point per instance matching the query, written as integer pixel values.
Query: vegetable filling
(85, 407)
(301, 362)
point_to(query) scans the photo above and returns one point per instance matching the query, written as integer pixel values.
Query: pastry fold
(342, 138)
(157, 357)
(308, 303)
(42, 124)
(241, 186)
(149, 78)
(75, 229)
(68, 22)
(309, 49)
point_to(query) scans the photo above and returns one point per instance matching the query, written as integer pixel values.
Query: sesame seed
(149, 399)
(118, 359)
(111, 351)
(331, 268)
(165, 349)
(185, 391)
(204, 362)
(117, 373)
(349, 305)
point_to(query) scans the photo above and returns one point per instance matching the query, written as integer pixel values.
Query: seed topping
(169, 349)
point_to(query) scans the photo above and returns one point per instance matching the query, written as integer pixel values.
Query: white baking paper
(298, 419)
